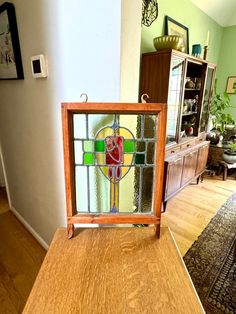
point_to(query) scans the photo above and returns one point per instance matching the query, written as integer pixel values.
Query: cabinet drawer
(200, 139)
(172, 151)
(187, 145)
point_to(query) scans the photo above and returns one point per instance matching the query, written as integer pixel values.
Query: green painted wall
(186, 13)
(227, 62)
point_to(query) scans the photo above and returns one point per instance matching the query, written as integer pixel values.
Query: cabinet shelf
(192, 89)
(189, 113)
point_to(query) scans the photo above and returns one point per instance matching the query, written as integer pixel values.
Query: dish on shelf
(190, 84)
(189, 105)
(168, 42)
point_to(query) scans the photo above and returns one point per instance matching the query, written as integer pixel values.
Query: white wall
(82, 43)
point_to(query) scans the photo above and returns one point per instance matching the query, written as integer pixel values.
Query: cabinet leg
(218, 170)
(225, 174)
(202, 177)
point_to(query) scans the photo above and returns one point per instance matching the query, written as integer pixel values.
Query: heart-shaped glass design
(114, 152)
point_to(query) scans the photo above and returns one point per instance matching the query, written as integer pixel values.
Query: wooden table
(113, 270)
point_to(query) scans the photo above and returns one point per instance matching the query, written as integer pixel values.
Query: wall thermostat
(39, 66)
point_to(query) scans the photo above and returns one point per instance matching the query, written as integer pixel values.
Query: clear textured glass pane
(147, 190)
(81, 189)
(99, 125)
(140, 147)
(127, 192)
(79, 121)
(143, 189)
(99, 191)
(149, 126)
(78, 152)
(150, 153)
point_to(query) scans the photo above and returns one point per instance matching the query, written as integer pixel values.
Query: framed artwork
(10, 57)
(114, 163)
(231, 85)
(173, 27)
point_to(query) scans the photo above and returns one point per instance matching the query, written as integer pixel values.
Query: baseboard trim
(29, 228)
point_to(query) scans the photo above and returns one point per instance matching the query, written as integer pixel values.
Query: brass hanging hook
(144, 98)
(84, 97)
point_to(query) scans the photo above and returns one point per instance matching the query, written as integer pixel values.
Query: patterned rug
(211, 261)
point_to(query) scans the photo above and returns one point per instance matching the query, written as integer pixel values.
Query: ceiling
(222, 11)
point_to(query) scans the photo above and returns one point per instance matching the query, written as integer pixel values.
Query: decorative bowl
(168, 42)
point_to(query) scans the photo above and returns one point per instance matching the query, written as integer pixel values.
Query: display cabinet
(186, 84)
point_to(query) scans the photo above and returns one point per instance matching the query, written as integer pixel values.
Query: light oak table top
(113, 270)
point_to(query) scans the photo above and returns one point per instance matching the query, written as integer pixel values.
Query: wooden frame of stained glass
(114, 154)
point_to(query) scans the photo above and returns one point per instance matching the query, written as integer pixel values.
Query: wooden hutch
(185, 83)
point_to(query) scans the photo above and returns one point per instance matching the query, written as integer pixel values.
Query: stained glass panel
(114, 160)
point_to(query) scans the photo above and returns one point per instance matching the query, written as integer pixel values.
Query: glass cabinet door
(174, 98)
(207, 98)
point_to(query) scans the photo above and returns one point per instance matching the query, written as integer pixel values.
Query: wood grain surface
(20, 259)
(113, 270)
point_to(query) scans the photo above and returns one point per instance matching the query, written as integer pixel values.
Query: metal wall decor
(114, 160)
(149, 12)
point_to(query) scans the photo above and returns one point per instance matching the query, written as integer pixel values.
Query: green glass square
(100, 146)
(88, 146)
(128, 146)
(88, 159)
(140, 159)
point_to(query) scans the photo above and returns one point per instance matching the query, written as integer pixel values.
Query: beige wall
(130, 49)
(82, 45)
(2, 180)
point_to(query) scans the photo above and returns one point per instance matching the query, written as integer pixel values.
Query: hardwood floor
(187, 215)
(20, 259)
(189, 212)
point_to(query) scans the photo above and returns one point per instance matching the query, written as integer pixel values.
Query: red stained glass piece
(114, 150)
(114, 173)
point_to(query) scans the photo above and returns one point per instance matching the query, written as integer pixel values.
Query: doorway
(4, 200)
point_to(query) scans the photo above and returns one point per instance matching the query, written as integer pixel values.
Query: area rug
(211, 261)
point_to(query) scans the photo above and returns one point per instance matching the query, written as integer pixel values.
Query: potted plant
(218, 117)
(229, 155)
(219, 105)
